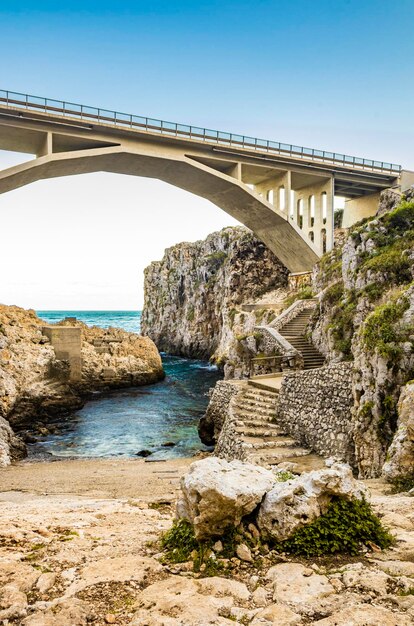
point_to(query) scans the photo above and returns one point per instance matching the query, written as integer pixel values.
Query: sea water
(124, 422)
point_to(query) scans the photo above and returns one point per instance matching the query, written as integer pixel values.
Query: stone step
(259, 393)
(273, 456)
(258, 431)
(258, 410)
(271, 444)
(262, 402)
(251, 424)
(246, 416)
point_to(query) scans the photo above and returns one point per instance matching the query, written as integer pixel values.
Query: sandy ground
(102, 478)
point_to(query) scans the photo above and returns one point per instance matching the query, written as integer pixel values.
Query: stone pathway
(265, 441)
(294, 332)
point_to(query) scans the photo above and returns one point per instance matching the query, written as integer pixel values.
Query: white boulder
(299, 501)
(216, 494)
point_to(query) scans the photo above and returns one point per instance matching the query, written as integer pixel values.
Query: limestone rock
(193, 295)
(366, 615)
(46, 582)
(216, 494)
(34, 384)
(279, 614)
(244, 553)
(299, 501)
(400, 456)
(295, 584)
(177, 601)
(66, 612)
(13, 603)
(216, 586)
(11, 447)
(260, 597)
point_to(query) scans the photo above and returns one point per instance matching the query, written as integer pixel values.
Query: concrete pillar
(67, 343)
(318, 225)
(46, 145)
(235, 171)
(330, 206)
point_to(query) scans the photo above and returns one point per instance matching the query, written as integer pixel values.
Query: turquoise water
(124, 422)
(128, 320)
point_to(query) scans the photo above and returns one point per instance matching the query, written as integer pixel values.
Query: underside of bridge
(288, 204)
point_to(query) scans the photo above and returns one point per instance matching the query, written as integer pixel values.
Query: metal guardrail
(59, 108)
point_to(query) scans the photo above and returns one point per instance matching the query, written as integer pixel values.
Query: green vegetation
(338, 215)
(333, 294)
(346, 527)
(391, 262)
(232, 315)
(190, 314)
(304, 293)
(381, 332)
(342, 325)
(179, 542)
(216, 260)
(402, 484)
(387, 423)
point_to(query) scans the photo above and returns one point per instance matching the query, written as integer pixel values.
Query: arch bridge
(283, 193)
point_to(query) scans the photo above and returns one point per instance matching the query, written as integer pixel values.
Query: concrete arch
(226, 191)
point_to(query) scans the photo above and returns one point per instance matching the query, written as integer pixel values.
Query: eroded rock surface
(216, 494)
(290, 505)
(72, 561)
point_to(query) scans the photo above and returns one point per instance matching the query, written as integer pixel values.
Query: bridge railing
(80, 112)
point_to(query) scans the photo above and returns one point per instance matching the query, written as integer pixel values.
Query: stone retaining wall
(315, 408)
(211, 423)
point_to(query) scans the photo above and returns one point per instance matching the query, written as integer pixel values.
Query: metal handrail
(59, 108)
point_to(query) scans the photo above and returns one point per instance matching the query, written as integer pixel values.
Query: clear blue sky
(335, 74)
(332, 74)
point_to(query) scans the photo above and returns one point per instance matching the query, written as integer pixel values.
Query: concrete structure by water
(283, 193)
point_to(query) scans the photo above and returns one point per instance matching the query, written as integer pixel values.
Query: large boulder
(216, 494)
(400, 455)
(299, 501)
(12, 447)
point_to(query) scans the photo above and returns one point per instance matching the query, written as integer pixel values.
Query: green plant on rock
(346, 527)
(387, 423)
(304, 293)
(402, 483)
(380, 331)
(179, 542)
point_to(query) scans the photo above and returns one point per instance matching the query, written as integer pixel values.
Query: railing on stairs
(288, 357)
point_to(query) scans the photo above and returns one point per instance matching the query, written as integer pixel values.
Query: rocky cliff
(193, 297)
(34, 384)
(366, 315)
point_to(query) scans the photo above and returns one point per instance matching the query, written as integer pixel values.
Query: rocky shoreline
(35, 386)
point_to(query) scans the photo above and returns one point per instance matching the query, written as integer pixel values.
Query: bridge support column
(46, 146)
(317, 222)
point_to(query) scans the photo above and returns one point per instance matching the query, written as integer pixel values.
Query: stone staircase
(265, 443)
(294, 333)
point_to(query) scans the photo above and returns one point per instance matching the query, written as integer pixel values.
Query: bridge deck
(17, 102)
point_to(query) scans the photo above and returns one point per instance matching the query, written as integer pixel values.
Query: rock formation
(193, 297)
(366, 315)
(217, 494)
(34, 384)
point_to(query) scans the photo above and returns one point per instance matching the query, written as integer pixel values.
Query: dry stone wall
(315, 408)
(211, 423)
